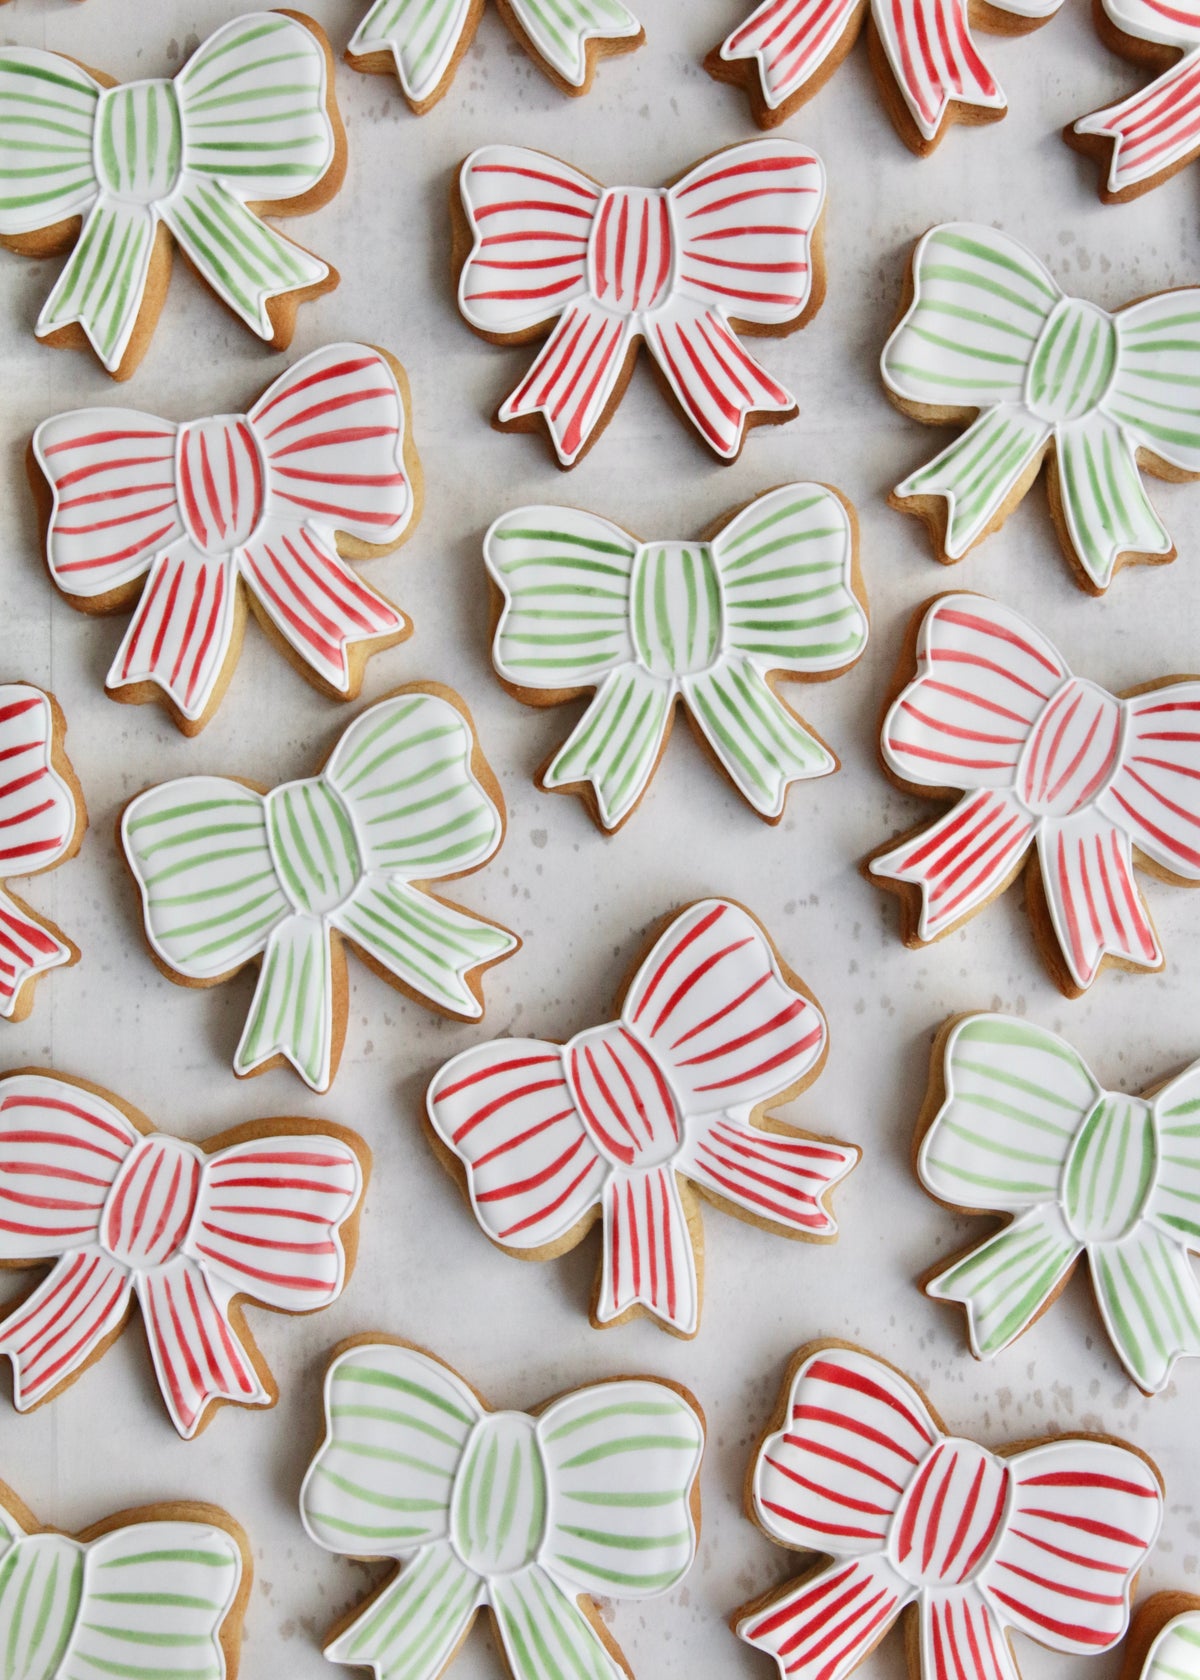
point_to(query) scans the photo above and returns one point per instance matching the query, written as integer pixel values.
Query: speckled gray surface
(579, 901)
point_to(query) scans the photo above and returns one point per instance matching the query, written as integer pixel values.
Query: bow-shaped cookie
(126, 1213)
(230, 874)
(250, 120)
(1046, 759)
(733, 243)
(239, 504)
(620, 1123)
(1045, 1542)
(152, 1594)
(706, 624)
(1024, 1129)
(42, 823)
(527, 1515)
(990, 336)
(422, 40)
(1147, 137)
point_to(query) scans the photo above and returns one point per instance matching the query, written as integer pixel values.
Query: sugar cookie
(632, 1122)
(733, 245)
(1164, 1639)
(532, 1515)
(1094, 782)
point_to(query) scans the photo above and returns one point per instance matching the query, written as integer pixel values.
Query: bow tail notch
(611, 754)
(769, 1174)
(1009, 1280)
(419, 45)
(29, 948)
(183, 641)
(757, 740)
(1102, 512)
(713, 379)
(198, 1352)
(825, 1625)
(112, 287)
(412, 1628)
(298, 1013)
(1149, 135)
(785, 52)
(1150, 1302)
(576, 381)
(969, 490)
(68, 1320)
(546, 1634)
(651, 1244)
(259, 275)
(581, 32)
(924, 50)
(1086, 892)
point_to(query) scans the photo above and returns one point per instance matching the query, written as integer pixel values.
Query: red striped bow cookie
(733, 244)
(1046, 1542)
(126, 1213)
(1145, 138)
(193, 520)
(1052, 767)
(42, 823)
(626, 1122)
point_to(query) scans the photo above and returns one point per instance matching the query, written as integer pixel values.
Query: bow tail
(791, 40)
(934, 60)
(1106, 508)
(27, 949)
(962, 1639)
(54, 1333)
(576, 376)
(1008, 1280)
(962, 861)
(649, 1258)
(198, 1356)
(413, 1627)
(421, 39)
(561, 33)
(780, 1177)
(1150, 1302)
(546, 1635)
(103, 284)
(435, 950)
(1151, 131)
(317, 603)
(1095, 907)
(979, 474)
(245, 262)
(718, 383)
(762, 745)
(182, 630)
(824, 1627)
(292, 1014)
(616, 743)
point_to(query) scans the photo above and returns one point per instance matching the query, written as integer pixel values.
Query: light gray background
(579, 901)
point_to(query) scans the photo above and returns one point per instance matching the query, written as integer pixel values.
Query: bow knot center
(676, 608)
(631, 249)
(1074, 362)
(498, 1506)
(1073, 750)
(313, 844)
(138, 145)
(41, 1583)
(1111, 1169)
(222, 482)
(950, 1515)
(149, 1209)
(623, 1096)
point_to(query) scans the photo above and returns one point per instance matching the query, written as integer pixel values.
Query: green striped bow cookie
(1025, 1130)
(248, 121)
(529, 1516)
(230, 874)
(144, 1598)
(1175, 1651)
(706, 624)
(990, 337)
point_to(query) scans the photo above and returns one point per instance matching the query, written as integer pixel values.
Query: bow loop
(1149, 793)
(47, 124)
(1163, 414)
(61, 1151)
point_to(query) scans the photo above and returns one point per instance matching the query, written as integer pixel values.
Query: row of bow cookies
(596, 1493)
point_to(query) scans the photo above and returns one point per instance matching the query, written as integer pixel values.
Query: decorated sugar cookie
(532, 1516)
(1144, 139)
(970, 1545)
(231, 874)
(1164, 1639)
(422, 43)
(631, 1122)
(1016, 1124)
(42, 820)
(1084, 783)
(112, 175)
(929, 70)
(734, 244)
(990, 337)
(265, 1213)
(774, 591)
(157, 1593)
(193, 519)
